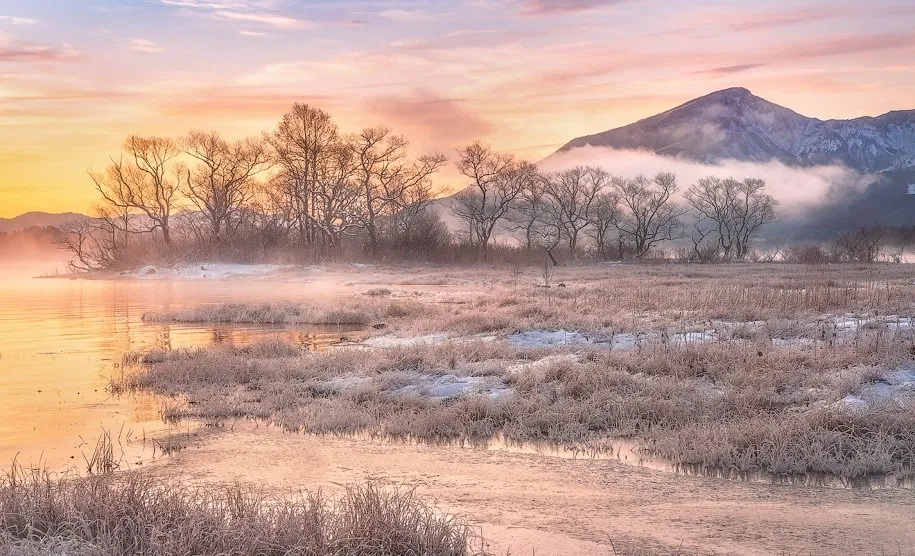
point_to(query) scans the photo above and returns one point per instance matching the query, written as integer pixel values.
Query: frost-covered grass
(773, 368)
(622, 302)
(745, 407)
(133, 515)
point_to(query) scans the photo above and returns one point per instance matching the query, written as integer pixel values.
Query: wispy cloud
(145, 46)
(12, 50)
(406, 16)
(271, 20)
(18, 20)
(550, 7)
(258, 12)
(727, 70)
(249, 33)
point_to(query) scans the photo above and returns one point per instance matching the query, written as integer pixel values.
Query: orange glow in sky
(523, 75)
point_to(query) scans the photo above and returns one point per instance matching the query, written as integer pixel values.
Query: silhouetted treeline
(307, 192)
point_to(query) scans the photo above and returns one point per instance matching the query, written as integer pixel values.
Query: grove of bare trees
(307, 191)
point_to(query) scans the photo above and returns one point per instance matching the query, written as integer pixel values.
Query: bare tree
(574, 193)
(387, 177)
(144, 179)
(336, 196)
(605, 215)
(222, 182)
(530, 210)
(303, 147)
(703, 251)
(754, 209)
(862, 245)
(715, 202)
(496, 181)
(650, 214)
(733, 209)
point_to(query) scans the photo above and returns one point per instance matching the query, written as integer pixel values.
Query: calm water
(60, 339)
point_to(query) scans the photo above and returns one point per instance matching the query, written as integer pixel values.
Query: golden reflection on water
(61, 339)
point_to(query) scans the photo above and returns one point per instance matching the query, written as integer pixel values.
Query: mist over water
(60, 341)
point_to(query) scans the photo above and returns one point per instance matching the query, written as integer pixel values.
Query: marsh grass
(762, 393)
(785, 299)
(747, 406)
(350, 311)
(136, 515)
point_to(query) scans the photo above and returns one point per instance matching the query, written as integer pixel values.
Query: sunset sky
(523, 75)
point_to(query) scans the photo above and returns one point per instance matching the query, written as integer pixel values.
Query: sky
(526, 76)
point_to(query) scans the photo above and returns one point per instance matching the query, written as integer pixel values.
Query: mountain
(736, 124)
(37, 219)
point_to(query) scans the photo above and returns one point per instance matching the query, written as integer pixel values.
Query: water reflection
(60, 339)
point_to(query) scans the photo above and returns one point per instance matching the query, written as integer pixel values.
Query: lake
(61, 339)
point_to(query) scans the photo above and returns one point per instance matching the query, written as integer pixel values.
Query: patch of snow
(391, 341)
(520, 368)
(690, 337)
(560, 337)
(895, 387)
(538, 338)
(346, 382)
(793, 342)
(852, 402)
(452, 386)
(211, 271)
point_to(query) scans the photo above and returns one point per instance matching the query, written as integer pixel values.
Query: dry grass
(132, 515)
(742, 407)
(619, 298)
(352, 311)
(765, 396)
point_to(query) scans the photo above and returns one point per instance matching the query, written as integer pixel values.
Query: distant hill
(736, 124)
(38, 220)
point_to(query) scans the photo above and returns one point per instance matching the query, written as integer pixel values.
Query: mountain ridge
(736, 124)
(37, 219)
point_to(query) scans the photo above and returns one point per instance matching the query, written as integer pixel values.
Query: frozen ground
(423, 384)
(212, 271)
(452, 386)
(895, 387)
(623, 341)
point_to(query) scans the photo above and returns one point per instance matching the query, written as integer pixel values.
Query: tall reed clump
(132, 514)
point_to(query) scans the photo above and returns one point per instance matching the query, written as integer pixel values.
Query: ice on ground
(391, 341)
(690, 337)
(346, 382)
(895, 387)
(531, 366)
(793, 342)
(532, 338)
(622, 341)
(210, 271)
(452, 386)
(560, 337)
(852, 322)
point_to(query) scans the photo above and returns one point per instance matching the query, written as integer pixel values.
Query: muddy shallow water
(535, 502)
(61, 339)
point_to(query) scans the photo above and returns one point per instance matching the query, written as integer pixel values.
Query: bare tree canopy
(605, 215)
(496, 181)
(574, 193)
(305, 148)
(650, 214)
(144, 179)
(387, 178)
(221, 183)
(309, 192)
(731, 210)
